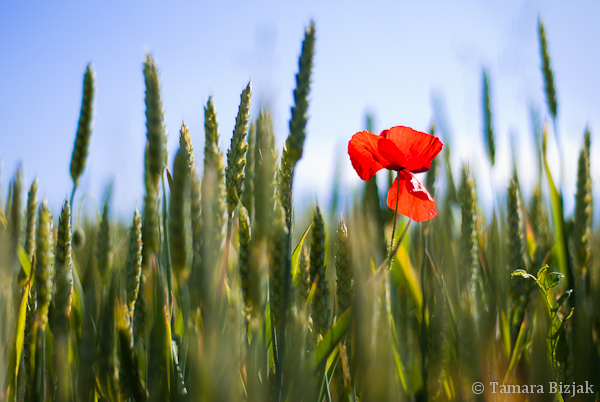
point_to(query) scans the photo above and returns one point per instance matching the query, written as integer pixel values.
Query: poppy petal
(388, 150)
(419, 148)
(413, 199)
(364, 155)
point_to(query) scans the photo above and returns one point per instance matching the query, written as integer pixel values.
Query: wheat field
(219, 289)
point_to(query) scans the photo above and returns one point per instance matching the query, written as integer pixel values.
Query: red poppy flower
(406, 151)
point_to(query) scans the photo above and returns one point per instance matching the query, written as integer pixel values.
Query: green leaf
(551, 280)
(296, 253)
(561, 301)
(570, 314)
(517, 352)
(18, 346)
(542, 271)
(557, 324)
(24, 259)
(521, 273)
(558, 217)
(330, 340)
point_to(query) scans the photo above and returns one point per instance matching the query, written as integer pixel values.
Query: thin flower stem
(395, 216)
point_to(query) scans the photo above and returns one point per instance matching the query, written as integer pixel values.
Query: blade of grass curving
(296, 253)
(330, 340)
(18, 344)
(562, 247)
(24, 259)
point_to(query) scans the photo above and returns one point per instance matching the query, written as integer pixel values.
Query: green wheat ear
(248, 189)
(278, 263)
(547, 70)
(134, 263)
(30, 225)
(44, 268)
(29, 228)
(104, 252)
(63, 264)
(488, 128)
(343, 270)
(265, 173)
(179, 206)
(16, 214)
(468, 235)
(62, 304)
(468, 241)
(518, 290)
(582, 229)
(293, 148)
(84, 127)
(245, 237)
(236, 154)
(155, 125)
(303, 279)
(320, 308)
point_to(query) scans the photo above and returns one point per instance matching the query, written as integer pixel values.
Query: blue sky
(391, 58)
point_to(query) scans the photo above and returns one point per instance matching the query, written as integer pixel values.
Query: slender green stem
(71, 200)
(395, 216)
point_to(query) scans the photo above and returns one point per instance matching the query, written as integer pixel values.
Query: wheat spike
(468, 229)
(547, 70)
(343, 270)
(236, 154)
(245, 236)
(321, 310)
(16, 215)
(134, 263)
(179, 207)
(30, 225)
(104, 247)
(44, 269)
(265, 173)
(519, 290)
(293, 148)
(155, 125)
(62, 304)
(488, 128)
(84, 127)
(303, 279)
(278, 263)
(248, 189)
(582, 229)
(63, 265)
